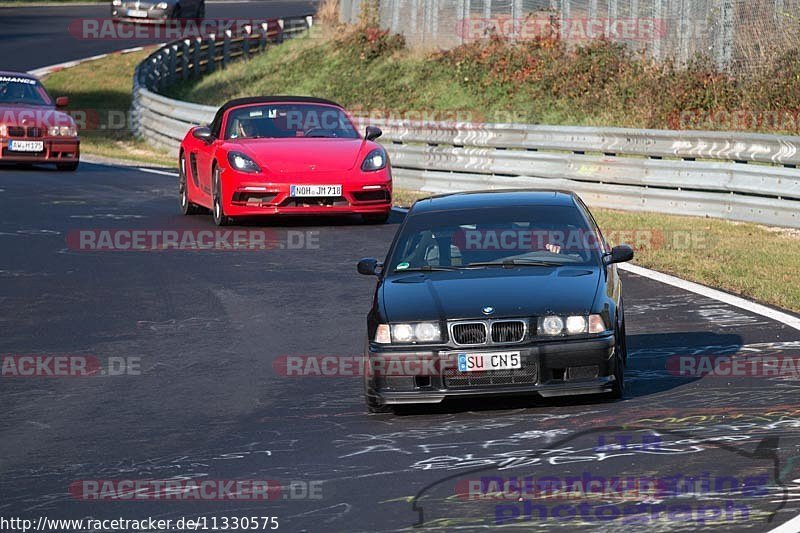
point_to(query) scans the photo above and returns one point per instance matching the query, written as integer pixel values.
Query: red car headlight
(242, 163)
(375, 160)
(3, 130)
(62, 131)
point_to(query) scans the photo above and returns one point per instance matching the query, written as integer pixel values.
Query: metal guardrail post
(248, 29)
(211, 65)
(263, 38)
(185, 59)
(197, 56)
(226, 48)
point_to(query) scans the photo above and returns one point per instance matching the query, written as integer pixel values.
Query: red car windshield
(20, 90)
(283, 121)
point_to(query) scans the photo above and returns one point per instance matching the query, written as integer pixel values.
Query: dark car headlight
(554, 325)
(375, 160)
(420, 332)
(242, 163)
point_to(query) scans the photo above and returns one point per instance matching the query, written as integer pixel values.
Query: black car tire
(68, 167)
(375, 407)
(220, 219)
(187, 208)
(620, 360)
(377, 219)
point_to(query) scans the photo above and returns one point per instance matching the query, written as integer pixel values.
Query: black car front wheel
(620, 360)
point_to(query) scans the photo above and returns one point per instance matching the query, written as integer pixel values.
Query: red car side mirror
(62, 101)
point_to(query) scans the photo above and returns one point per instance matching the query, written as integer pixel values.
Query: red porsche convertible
(284, 156)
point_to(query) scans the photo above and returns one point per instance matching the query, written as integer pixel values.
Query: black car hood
(513, 293)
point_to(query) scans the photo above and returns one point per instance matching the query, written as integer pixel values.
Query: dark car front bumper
(552, 368)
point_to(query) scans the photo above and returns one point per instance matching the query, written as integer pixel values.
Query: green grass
(100, 91)
(494, 81)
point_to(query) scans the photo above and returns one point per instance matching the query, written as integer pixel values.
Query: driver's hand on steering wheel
(553, 248)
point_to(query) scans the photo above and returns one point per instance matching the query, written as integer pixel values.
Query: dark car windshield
(533, 236)
(283, 121)
(21, 90)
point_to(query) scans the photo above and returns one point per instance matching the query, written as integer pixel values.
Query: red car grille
(20, 131)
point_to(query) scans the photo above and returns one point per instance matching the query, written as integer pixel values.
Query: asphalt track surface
(211, 403)
(33, 37)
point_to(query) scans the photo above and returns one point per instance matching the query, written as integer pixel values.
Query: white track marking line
(792, 526)
(160, 172)
(702, 290)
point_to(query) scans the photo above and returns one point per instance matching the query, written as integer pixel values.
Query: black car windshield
(289, 121)
(534, 236)
(22, 90)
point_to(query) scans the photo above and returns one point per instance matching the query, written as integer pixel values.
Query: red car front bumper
(366, 193)
(55, 151)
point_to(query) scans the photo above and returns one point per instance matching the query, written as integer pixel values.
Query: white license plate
(26, 146)
(302, 191)
(138, 13)
(482, 362)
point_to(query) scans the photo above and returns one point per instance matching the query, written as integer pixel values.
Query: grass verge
(100, 101)
(369, 70)
(755, 261)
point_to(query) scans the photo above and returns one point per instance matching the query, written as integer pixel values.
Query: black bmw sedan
(495, 293)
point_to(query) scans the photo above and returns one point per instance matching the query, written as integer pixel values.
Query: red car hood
(299, 155)
(35, 115)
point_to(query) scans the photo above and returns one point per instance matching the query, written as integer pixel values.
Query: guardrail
(737, 176)
(162, 121)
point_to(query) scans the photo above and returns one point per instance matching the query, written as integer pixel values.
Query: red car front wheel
(216, 203)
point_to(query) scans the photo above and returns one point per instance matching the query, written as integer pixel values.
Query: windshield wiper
(427, 268)
(511, 263)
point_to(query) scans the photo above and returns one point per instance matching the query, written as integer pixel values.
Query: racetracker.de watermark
(67, 366)
(194, 489)
(118, 240)
(573, 29)
(105, 29)
(732, 366)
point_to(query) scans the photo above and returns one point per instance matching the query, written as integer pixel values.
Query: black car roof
(499, 198)
(216, 124)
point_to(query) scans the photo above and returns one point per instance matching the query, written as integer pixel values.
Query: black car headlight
(375, 160)
(555, 326)
(420, 332)
(242, 163)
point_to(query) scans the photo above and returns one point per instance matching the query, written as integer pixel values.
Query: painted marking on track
(702, 290)
(792, 526)
(160, 172)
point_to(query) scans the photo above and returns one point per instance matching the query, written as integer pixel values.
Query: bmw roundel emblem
(488, 310)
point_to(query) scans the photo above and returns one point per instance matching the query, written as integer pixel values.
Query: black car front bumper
(551, 368)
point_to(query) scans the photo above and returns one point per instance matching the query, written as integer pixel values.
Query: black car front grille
(469, 333)
(527, 375)
(508, 332)
(34, 132)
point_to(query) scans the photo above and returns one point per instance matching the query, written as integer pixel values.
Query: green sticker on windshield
(402, 266)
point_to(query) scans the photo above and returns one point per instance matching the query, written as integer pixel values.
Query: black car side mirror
(373, 133)
(204, 134)
(619, 254)
(369, 266)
